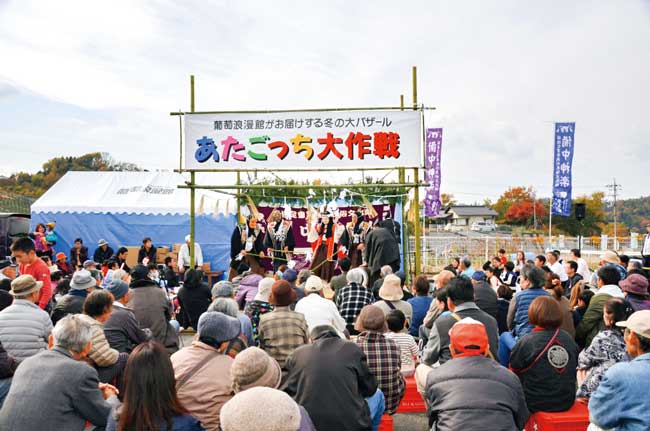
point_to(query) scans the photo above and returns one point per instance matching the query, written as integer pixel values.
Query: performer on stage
(279, 236)
(328, 232)
(248, 238)
(353, 240)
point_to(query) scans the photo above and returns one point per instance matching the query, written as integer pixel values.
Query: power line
(614, 188)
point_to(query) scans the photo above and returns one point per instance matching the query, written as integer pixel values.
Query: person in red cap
(471, 390)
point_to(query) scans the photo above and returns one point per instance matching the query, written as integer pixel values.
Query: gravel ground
(410, 422)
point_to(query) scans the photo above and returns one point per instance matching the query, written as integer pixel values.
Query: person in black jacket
(546, 359)
(345, 386)
(78, 254)
(147, 251)
(120, 258)
(103, 252)
(485, 296)
(122, 329)
(7, 367)
(73, 302)
(169, 273)
(194, 298)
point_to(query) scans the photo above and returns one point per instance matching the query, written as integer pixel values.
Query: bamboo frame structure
(402, 183)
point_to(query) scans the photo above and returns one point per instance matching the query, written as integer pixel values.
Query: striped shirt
(407, 346)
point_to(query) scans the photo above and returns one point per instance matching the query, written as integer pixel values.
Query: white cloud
(499, 72)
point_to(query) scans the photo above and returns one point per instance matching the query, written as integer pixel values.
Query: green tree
(595, 217)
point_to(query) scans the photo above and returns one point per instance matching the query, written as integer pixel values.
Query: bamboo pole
(416, 192)
(192, 189)
(302, 186)
(278, 111)
(254, 170)
(405, 239)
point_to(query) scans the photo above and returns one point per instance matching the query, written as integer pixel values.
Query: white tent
(124, 207)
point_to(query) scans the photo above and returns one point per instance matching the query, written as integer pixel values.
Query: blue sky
(80, 76)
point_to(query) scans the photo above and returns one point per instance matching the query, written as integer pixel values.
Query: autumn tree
(514, 195)
(523, 213)
(595, 217)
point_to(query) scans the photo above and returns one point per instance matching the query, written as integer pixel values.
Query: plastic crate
(574, 419)
(386, 423)
(412, 401)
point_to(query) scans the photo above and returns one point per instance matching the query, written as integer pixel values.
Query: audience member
(282, 330)
(504, 295)
(396, 322)
(532, 281)
(170, 272)
(621, 401)
(247, 289)
(120, 258)
(194, 298)
(73, 302)
(103, 252)
(253, 368)
(606, 349)
(202, 370)
(391, 295)
(353, 297)
(470, 391)
(259, 306)
(63, 265)
(554, 287)
(384, 271)
(635, 289)
(8, 366)
(266, 409)
(460, 300)
(225, 289)
(555, 266)
(147, 251)
(152, 308)
(30, 264)
(24, 327)
(55, 389)
(420, 303)
(592, 321)
(150, 398)
(122, 329)
(571, 268)
(465, 268)
(383, 354)
(545, 359)
(291, 276)
(339, 281)
(343, 395)
(583, 268)
(485, 295)
(108, 361)
(441, 280)
(78, 254)
(317, 310)
(184, 255)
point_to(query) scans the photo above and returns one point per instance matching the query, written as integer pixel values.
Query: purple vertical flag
(432, 153)
(562, 168)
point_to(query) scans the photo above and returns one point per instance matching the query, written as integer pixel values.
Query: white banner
(304, 140)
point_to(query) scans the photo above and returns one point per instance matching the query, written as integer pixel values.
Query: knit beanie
(260, 409)
(254, 367)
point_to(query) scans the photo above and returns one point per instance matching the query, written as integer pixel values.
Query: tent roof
(129, 192)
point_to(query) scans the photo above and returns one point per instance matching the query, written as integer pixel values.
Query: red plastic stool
(386, 423)
(412, 401)
(576, 418)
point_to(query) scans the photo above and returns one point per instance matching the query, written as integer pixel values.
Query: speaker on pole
(580, 211)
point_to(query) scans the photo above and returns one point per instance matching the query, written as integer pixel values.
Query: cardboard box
(161, 254)
(176, 248)
(132, 257)
(205, 267)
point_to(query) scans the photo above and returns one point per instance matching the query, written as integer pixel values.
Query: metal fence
(438, 250)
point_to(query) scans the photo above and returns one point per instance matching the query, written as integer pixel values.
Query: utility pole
(614, 190)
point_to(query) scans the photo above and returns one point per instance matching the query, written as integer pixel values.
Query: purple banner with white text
(432, 152)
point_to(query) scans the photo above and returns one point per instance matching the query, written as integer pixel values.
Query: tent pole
(402, 179)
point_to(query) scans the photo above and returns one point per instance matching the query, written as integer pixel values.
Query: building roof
(471, 210)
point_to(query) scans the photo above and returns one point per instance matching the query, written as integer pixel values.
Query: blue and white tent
(125, 207)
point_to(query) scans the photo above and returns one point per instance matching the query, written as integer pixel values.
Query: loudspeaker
(580, 211)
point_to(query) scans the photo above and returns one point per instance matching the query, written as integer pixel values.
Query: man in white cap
(73, 302)
(319, 311)
(621, 401)
(24, 327)
(184, 255)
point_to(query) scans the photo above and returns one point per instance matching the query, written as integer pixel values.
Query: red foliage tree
(522, 212)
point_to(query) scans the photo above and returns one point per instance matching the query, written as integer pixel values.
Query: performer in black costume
(353, 240)
(279, 236)
(247, 238)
